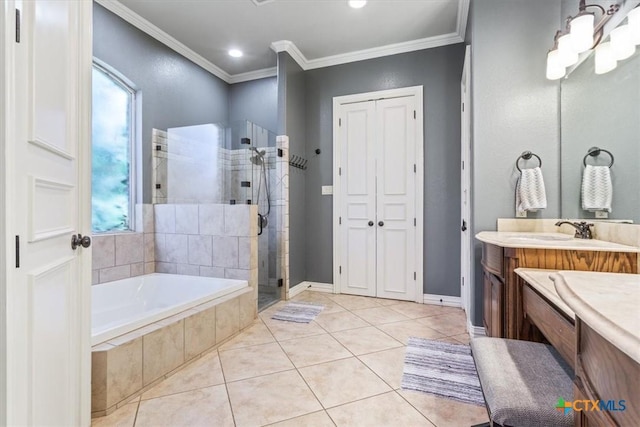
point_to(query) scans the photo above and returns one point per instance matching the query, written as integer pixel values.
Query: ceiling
(316, 33)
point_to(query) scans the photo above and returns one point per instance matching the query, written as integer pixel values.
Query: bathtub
(146, 327)
(125, 305)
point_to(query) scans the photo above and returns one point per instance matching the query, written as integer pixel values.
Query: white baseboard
(475, 331)
(444, 300)
(312, 286)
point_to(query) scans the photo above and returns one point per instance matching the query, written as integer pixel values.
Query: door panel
(395, 125)
(358, 248)
(49, 319)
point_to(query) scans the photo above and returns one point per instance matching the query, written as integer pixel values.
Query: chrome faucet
(582, 229)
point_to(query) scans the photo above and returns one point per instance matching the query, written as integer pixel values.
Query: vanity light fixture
(581, 34)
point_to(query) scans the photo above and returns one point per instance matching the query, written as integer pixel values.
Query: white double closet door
(377, 198)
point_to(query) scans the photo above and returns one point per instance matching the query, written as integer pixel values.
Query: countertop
(540, 280)
(559, 241)
(608, 302)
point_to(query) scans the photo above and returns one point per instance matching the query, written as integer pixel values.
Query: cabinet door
(486, 316)
(497, 304)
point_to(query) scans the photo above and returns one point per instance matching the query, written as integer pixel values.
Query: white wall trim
(147, 27)
(361, 55)
(475, 331)
(443, 300)
(311, 286)
(253, 75)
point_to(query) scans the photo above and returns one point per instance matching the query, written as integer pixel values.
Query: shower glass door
(257, 155)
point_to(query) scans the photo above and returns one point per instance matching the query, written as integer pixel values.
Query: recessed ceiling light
(235, 53)
(357, 4)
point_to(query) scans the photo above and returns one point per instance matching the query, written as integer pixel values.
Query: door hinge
(340, 270)
(280, 283)
(463, 107)
(340, 220)
(339, 122)
(414, 168)
(339, 171)
(415, 222)
(17, 251)
(414, 114)
(463, 164)
(414, 276)
(17, 25)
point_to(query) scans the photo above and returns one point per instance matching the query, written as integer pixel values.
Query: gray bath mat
(300, 312)
(442, 369)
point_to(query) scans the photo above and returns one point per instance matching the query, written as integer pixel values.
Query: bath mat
(299, 312)
(442, 369)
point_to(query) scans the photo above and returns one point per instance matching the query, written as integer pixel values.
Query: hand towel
(597, 190)
(530, 192)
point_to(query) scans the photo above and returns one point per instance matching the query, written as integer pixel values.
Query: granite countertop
(608, 302)
(540, 280)
(559, 241)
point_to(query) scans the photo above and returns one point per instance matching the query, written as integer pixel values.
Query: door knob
(80, 240)
(370, 223)
(381, 223)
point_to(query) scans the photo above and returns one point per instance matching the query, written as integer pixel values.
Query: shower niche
(227, 164)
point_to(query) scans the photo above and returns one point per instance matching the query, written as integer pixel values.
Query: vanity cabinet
(503, 288)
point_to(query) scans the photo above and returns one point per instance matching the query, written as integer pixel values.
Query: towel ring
(595, 151)
(527, 155)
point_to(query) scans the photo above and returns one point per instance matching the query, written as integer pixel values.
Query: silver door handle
(80, 240)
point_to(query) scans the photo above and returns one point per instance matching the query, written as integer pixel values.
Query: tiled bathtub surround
(207, 240)
(122, 255)
(128, 365)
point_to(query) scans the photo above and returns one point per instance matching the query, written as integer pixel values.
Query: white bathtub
(124, 305)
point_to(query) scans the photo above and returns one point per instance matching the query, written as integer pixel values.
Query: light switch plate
(327, 190)
(522, 214)
(602, 214)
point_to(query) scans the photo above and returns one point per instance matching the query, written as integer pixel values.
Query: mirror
(602, 111)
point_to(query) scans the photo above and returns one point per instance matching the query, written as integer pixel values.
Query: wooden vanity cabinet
(503, 288)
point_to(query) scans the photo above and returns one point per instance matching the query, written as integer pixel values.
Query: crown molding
(147, 27)
(253, 75)
(288, 46)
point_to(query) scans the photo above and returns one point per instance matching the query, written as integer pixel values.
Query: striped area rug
(442, 369)
(300, 312)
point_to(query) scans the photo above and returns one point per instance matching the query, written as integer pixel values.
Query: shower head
(260, 153)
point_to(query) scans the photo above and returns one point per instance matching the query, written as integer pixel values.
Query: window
(113, 138)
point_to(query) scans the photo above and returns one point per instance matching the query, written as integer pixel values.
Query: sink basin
(541, 237)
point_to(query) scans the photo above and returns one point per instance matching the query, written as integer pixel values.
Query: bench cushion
(522, 382)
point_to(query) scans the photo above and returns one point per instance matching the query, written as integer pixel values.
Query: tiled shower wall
(199, 240)
(118, 256)
(207, 240)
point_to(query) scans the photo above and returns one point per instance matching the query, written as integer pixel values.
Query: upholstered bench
(522, 382)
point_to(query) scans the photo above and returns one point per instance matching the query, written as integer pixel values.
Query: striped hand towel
(597, 190)
(530, 192)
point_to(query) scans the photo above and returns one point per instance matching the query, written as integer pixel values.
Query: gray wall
(515, 108)
(176, 92)
(439, 71)
(256, 101)
(292, 122)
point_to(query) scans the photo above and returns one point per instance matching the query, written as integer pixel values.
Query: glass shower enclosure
(225, 164)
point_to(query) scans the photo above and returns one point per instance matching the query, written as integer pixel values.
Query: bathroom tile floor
(343, 369)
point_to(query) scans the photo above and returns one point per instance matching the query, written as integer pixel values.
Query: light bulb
(357, 4)
(633, 19)
(235, 53)
(621, 43)
(605, 59)
(555, 69)
(582, 32)
(568, 56)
